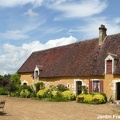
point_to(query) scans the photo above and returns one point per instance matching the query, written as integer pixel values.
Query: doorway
(118, 91)
(78, 87)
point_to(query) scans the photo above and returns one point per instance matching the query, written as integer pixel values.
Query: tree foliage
(15, 78)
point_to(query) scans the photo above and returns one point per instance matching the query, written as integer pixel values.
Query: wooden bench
(2, 104)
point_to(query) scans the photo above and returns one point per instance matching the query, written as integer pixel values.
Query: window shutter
(109, 67)
(90, 86)
(101, 86)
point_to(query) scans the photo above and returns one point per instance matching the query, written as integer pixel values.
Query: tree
(1, 77)
(12, 88)
(7, 76)
(14, 83)
(4, 80)
(15, 78)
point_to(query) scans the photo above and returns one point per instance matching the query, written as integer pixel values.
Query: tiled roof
(85, 58)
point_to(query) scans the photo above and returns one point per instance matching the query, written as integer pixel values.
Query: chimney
(102, 34)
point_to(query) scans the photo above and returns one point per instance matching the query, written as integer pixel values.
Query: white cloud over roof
(14, 56)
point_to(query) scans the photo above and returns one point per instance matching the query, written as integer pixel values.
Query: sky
(32, 25)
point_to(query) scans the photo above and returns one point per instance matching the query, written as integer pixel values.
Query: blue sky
(30, 25)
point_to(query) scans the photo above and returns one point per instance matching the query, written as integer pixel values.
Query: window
(95, 85)
(36, 75)
(25, 84)
(111, 62)
(109, 67)
(37, 71)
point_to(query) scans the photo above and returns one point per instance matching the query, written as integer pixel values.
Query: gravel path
(28, 109)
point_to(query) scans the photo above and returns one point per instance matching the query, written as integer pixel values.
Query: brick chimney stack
(102, 34)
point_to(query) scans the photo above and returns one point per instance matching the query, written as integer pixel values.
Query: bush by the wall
(40, 93)
(98, 98)
(39, 86)
(25, 93)
(3, 91)
(48, 94)
(68, 95)
(94, 98)
(88, 98)
(54, 93)
(61, 87)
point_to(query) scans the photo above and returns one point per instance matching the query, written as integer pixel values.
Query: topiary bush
(54, 93)
(57, 96)
(80, 97)
(48, 94)
(87, 98)
(68, 95)
(40, 93)
(25, 93)
(94, 98)
(98, 98)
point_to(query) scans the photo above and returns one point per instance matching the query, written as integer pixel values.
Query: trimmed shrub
(40, 93)
(57, 97)
(98, 98)
(54, 93)
(94, 98)
(48, 94)
(68, 95)
(29, 88)
(80, 98)
(25, 93)
(87, 98)
(58, 94)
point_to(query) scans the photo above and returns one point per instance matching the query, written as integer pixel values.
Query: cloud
(14, 35)
(90, 28)
(14, 56)
(23, 32)
(13, 3)
(67, 8)
(83, 8)
(117, 20)
(31, 13)
(60, 42)
(36, 3)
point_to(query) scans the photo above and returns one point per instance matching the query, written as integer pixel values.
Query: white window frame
(98, 86)
(75, 89)
(38, 71)
(24, 82)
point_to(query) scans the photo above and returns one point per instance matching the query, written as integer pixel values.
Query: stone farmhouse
(94, 63)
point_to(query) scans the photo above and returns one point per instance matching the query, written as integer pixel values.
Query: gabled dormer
(37, 71)
(110, 63)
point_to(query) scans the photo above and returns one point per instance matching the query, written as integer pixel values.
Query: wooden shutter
(109, 67)
(90, 85)
(101, 86)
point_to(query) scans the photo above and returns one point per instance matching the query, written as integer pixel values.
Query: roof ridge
(64, 45)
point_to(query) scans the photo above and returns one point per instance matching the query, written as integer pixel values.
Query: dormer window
(110, 63)
(109, 67)
(37, 71)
